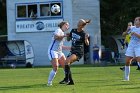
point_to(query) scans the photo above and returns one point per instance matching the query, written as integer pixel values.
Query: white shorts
(133, 51)
(55, 54)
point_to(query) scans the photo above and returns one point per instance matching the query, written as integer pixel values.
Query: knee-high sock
(51, 76)
(67, 72)
(70, 76)
(138, 64)
(127, 72)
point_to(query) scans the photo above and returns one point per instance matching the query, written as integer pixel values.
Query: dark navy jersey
(78, 39)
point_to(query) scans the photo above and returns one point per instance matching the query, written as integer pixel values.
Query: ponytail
(88, 21)
(84, 22)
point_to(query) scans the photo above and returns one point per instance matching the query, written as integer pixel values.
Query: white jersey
(134, 41)
(133, 49)
(56, 45)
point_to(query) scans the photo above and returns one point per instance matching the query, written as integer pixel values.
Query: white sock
(127, 72)
(138, 64)
(51, 76)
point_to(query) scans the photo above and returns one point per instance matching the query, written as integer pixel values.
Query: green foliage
(88, 79)
(115, 14)
(3, 17)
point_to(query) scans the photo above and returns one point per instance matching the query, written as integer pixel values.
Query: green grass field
(88, 79)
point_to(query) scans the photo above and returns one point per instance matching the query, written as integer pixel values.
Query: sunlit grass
(88, 79)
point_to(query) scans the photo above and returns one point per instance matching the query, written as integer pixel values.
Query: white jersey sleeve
(58, 32)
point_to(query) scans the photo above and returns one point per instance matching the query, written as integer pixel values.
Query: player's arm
(127, 31)
(136, 34)
(86, 39)
(68, 36)
(124, 34)
(59, 37)
(66, 47)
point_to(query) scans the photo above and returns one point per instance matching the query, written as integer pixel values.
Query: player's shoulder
(58, 30)
(83, 32)
(74, 30)
(132, 27)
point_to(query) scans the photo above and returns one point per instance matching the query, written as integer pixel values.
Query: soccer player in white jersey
(55, 50)
(127, 40)
(133, 49)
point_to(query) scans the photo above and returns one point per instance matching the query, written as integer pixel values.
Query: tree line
(115, 14)
(3, 18)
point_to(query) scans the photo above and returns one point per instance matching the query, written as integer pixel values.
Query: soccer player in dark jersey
(78, 38)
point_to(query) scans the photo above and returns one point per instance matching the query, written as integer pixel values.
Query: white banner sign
(37, 25)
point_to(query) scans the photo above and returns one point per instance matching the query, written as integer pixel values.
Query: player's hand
(67, 34)
(124, 34)
(133, 33)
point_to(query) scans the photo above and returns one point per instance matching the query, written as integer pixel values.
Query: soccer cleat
(138, 68)
(125, 80)
(70, 83)
(49, 84)
(122, 68)
(63, 82)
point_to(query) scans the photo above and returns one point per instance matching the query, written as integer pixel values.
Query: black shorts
(78, 53)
